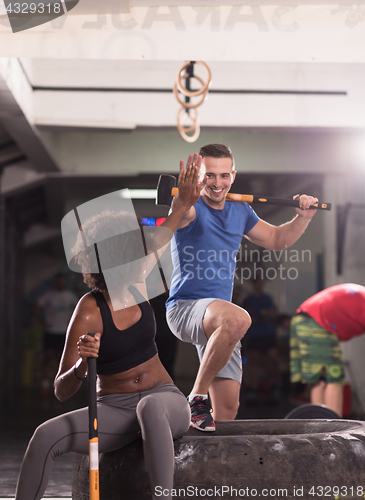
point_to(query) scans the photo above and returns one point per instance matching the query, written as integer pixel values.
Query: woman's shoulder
(86, 317)
(87, 304)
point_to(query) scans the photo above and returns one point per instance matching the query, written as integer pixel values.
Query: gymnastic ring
(183, 131)
(189, 93)
(191, 138)
(189, 105)
(194, 118)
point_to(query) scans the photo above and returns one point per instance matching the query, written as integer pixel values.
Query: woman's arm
(182, 208)
(78, 347)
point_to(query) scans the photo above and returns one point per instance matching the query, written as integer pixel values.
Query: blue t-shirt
(204, 252)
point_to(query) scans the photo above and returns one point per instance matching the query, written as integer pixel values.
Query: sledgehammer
(166, 190)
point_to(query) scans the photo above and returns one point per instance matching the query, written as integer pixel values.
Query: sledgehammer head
(164, 187)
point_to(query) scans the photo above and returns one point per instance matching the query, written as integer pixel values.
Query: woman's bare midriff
(143, 377)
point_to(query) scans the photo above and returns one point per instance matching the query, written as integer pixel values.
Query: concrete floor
(18, 422)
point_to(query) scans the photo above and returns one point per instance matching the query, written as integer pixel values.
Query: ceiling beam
(14, 120)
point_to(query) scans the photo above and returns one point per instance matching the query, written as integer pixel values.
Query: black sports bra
(121, 350)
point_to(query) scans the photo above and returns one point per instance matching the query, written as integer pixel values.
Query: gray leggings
(159, 415)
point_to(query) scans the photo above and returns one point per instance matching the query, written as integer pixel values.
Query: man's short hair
(217, 151)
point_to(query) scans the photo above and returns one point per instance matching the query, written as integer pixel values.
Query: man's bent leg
(185, 320)
(225, 387)
(217, 325)
(224, 325)
(224, 394)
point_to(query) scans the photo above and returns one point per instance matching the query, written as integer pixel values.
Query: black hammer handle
(274, 201)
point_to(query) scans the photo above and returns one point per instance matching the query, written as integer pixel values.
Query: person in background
(261, 342)
(320, 323)
(53, 311)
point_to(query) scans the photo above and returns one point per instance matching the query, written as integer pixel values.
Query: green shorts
(314, 352)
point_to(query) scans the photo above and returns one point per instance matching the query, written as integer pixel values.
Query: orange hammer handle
(249, 198)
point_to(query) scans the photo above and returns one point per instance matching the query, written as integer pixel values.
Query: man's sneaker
(201, 417)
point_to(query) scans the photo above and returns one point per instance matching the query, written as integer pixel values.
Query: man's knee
(226, 410)
(236, 325)
(232, 407)
(225, 396)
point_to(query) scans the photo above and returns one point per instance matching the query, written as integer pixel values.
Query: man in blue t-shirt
(199, 308)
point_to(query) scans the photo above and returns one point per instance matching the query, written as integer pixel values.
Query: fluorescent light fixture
(139, 194)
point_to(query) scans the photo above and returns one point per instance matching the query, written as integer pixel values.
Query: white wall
(349, 188)
(256, 150)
